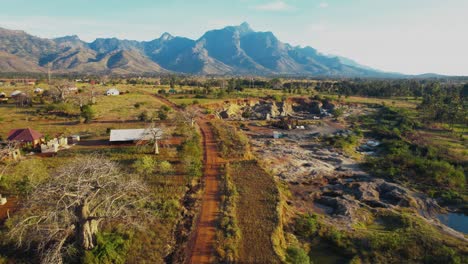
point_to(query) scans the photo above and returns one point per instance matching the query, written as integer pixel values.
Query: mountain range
(233, 50)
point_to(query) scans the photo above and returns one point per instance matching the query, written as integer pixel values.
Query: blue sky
(409, 36)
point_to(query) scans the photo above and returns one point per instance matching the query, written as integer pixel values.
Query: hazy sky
(408, 36)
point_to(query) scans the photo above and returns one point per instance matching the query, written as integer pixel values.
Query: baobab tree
(190, 115)
(152, 134)
(72, 206)
(60, 90)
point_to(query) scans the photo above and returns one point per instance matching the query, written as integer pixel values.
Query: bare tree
(190, 115)
(154, 134)
(74, 204)
(60, 90)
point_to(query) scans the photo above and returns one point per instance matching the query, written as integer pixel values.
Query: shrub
(295, 255)
(305, 225)
(110, 248)
(165, 167)
(165, 108)
(144, 116)
(162, 115)
(145, 165)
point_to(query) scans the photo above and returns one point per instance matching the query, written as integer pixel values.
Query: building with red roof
(26, 135)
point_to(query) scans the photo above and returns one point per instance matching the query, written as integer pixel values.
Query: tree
(60, 91)
(88, 113)
(190, 115)
(154, 134)
(74, 204)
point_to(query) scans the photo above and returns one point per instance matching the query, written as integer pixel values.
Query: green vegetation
(109, 249)
(424, 166)
(20, 178)
(88, 113)
(229, 235)
(145, 165)
(392, 238)
(296, 255)
(191, 156)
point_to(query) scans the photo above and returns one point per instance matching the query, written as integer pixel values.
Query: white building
(38, 90)
(112, 92)
(134, 135)
(16, 93)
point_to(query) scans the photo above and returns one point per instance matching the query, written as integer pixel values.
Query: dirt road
(202, 244)
(203, 249)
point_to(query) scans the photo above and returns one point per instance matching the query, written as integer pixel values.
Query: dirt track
(202, 246)
(203, 250)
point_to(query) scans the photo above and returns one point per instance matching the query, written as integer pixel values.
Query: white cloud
(274, 6)
(323, 5)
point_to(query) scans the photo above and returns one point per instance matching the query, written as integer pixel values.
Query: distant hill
(232, 50)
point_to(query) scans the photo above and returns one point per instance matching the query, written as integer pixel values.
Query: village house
(38, 90)
(16, 93)
(54, 145)
(112, 92)
(26, 136)
(3, 98)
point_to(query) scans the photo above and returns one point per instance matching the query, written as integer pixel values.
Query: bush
(162, 115)
(295, 255)
(305, 226)
(110, 248)
(165, 108)
(165, 167)
(145, 165)
(144, 116)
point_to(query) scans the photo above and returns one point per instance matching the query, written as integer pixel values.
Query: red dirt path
(203, 242)
(203, 250)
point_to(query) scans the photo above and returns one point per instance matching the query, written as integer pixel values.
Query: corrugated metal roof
(123, 135)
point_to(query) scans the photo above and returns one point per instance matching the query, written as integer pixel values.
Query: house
(133, 135)
(25, 136)
(73, 139)
(54, 145)
(38, 90)
(72, 89)
(16, 93)
(3, 98)
(112, 92)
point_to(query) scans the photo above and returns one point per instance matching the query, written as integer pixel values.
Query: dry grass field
(256, 211)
